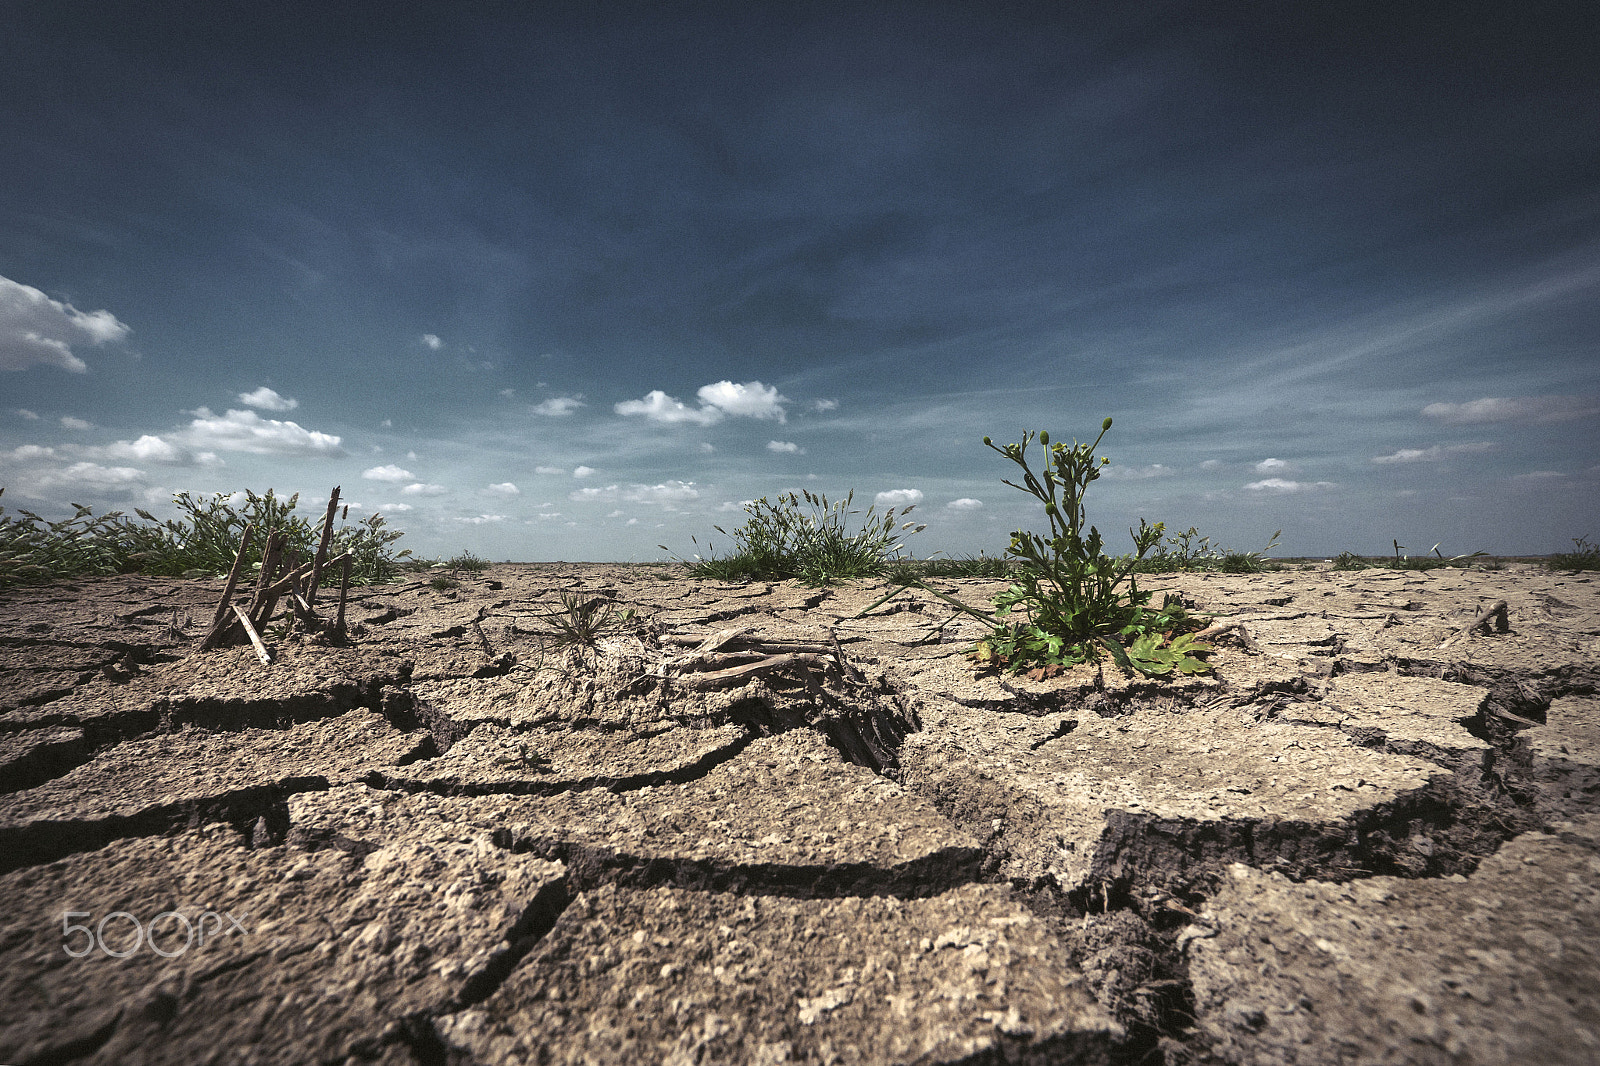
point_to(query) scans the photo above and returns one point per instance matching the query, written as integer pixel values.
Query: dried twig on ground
(1497, 611)
(255, 638)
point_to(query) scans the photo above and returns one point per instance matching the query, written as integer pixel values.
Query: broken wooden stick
(1496, 611)
(321, 559)
(733, 674)
(255, 638)
(344, 593)
(218, 620)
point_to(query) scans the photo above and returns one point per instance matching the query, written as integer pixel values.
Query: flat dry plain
(1368, 837)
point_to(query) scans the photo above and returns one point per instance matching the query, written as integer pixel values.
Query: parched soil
(765, 825)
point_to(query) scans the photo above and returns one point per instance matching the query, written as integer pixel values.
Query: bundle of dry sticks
(284, 577)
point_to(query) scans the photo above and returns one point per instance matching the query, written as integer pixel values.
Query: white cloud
(508, 393)
(670, 492)
(898, 498)
(1278, 484)
(390, 472)
(387, 423)
(558, 406)
(432, 341)
(729, 505)
(505, 488)
(23, 412)
(1515, 409)
(1210, 464)
(246, 431)
(94, 474)
(1139, 473)
(1435, 453)
(478, 520)
(1268, 466)
(966, 503)
(35, 329)
(268, 400)
(825, 405)
(657, 406)
(32, 451)
(395, 507)
(75, 423)
(148, 449)
(582, 471)
(419, 489)
(706, 448)
(787, 446)
(750, 400)
(548, 470)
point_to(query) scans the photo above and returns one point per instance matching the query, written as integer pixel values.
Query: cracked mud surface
(1347, 845)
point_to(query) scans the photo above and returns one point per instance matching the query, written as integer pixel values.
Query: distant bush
(202, 542)
(781, 540)
(1585, 556)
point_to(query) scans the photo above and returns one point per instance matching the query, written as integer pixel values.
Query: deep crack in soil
(446, 843)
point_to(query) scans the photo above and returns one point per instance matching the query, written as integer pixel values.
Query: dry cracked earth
(421, 846)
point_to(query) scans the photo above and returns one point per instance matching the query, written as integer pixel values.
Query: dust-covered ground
(762, 826)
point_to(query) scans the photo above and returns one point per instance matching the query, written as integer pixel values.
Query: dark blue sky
(569, 281)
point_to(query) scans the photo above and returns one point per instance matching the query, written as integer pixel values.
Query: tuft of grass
(443, 583)
(1584, 556)
(781, 540)
(583, 619)
(202, 542)
(468, 562)
(913, 570)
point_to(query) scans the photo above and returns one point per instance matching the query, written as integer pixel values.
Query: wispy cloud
(38, 331)
(1278, 484)
(966, 503)
(785, 446)
(558, 406)
(1515, 409)
(1435, 453)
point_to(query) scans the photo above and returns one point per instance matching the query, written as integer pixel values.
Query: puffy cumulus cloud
(26, 415)
(1515, 409)
(30, 452)
(94, 475)
(786, 446)
(1436, 453)
(268, 400)
(38, 331)
(966, 503)
(246, 431)
(723, 398)
(549, 470)
(432, 341)
(482, 519)
(750, 400)
(558, 406)
(419, 489)
(147, 449)
(1278, 484)
(505, 488)
(78, 424)
(582, 471)
(395, 507)
(1274, 466)
(387, 472)
(898, 498)
(657, 406)
(825, 405)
